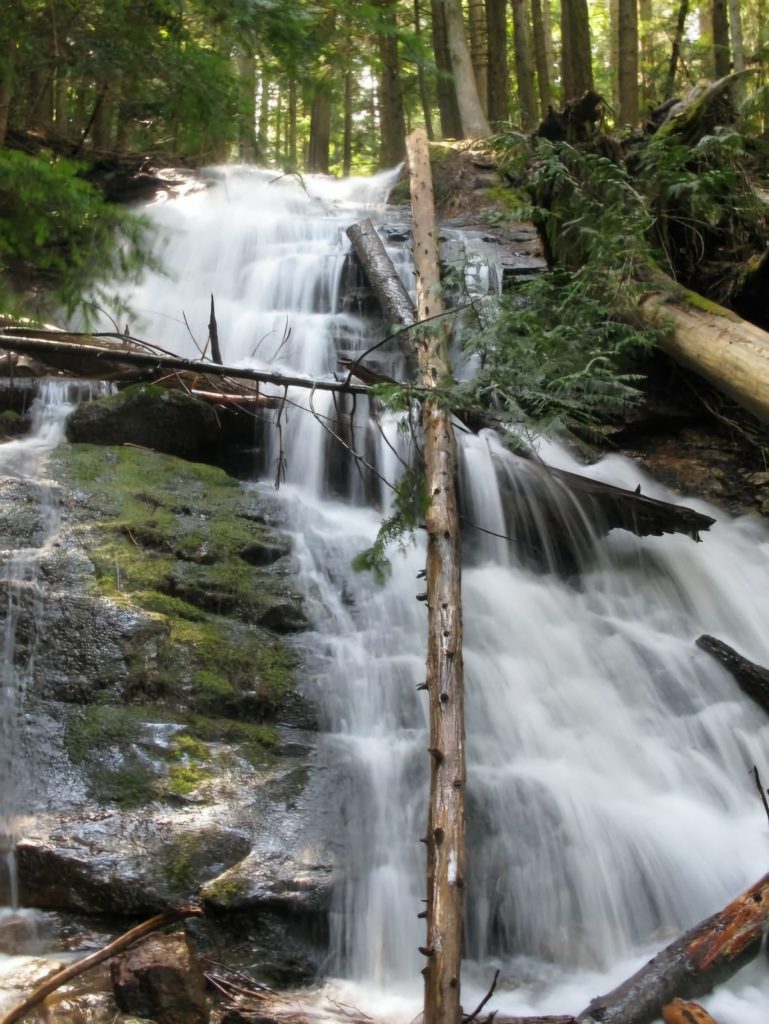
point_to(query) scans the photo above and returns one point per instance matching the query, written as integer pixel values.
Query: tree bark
(721, 56)
(393, 298)
(445, 839)
(752, 679)
(451, 126)
(479, 49)
(707, 954)
(471, 115)
(424, 95)
(498, 105)
(7, 68)
(628, 62)
(524, 72)
(576, 63)
(540, 55)
(730, 353)
(320, 132)
(392, 121)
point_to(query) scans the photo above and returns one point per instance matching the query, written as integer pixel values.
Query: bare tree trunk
(7, 68)
(496, 23)
(424, 96)
(393, 125)
(628, 62)
(320, 132)
(247, 127)
(721, 55)
(393, 298)
(524, 72)
(647, 59)
(262, 134)
(445, 837)
(577, 68)
(540, 56)
(479, 49)
(451, 126)
(347, 130)
(614, 66)
(675, 53)
(291, 127)
(471, 115)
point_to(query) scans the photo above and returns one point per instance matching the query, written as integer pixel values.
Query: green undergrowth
(165, 537)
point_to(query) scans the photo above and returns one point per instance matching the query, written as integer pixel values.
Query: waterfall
(610, 803)
(22, 475)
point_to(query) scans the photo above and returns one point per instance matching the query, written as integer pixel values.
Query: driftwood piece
(75, 970)
(391, 294)
(680, 1012)
(445, 839)
(751, 678)
(691, 966)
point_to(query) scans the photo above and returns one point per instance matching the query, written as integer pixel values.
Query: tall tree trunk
(262, 134)
(628, 62)
(675, 53)
(721, 56)
(445, 838)
(247, 148)
(496, 23)
(471, 115)
(292, 124)
(524, 72)
(647, 59)
(451, 126)
(547, 24)
(479, 49)
(614, 65)
(347, 129)
(392, 121)
(738, 50)
(424, 96)
(540, 56)
(7, 68)
(320, 132)
(577, 68)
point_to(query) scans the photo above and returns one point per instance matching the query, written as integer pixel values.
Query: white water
(609, 758)
(22, 467)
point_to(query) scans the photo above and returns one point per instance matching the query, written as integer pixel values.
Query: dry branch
(103, 355)
(75, 970)
(393, 298)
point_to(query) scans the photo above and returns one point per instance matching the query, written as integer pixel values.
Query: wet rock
(160, 978)
(300, 883)
(146, 415)
(262, 552)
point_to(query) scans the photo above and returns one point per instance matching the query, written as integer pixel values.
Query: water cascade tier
(610, 800)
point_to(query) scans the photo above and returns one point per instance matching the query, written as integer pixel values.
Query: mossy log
(729, 352)
(691, 966)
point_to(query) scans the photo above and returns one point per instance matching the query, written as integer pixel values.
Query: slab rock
(159, 978)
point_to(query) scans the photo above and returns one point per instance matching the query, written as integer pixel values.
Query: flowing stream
(611, 804)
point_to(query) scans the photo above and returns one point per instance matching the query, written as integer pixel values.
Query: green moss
(222, 891)
(98, 726)
(183, 779)
(205, 681)
(186, 746)
(130, 786)
(11, 423)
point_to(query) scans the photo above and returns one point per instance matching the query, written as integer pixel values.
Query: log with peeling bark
(445, 839)
(751, 678)
(691, 966)
(393, 297)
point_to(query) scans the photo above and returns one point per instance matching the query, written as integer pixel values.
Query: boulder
(160, 978)
(149, 416)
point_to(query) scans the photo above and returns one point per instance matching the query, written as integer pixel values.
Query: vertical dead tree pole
(445, 838)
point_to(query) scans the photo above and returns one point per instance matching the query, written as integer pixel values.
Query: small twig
(761, 791)
(468, 1017)
(74, 970)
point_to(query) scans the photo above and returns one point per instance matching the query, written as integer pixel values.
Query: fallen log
(394, 300)
(104, 355)
(691, 966)
(729, 352)
(751, 678)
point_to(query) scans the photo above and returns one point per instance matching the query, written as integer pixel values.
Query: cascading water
(22, 473)
(610, 800)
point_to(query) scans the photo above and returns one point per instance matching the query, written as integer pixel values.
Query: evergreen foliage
(59, 237)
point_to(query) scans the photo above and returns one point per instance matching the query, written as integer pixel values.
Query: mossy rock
(148, 415)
